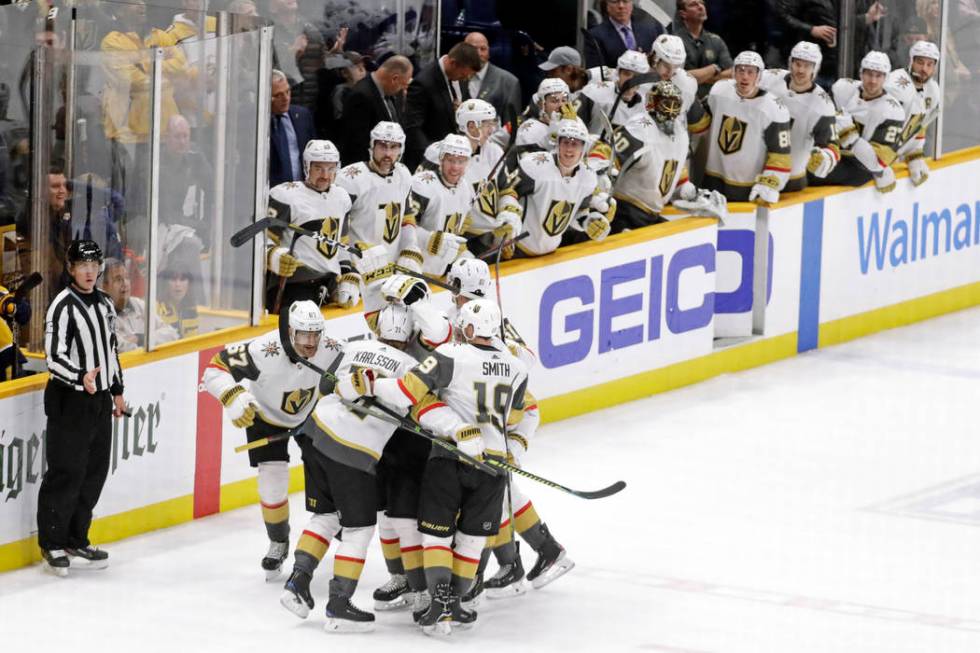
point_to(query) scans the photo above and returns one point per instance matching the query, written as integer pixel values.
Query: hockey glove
(567, 111)
(373, 258)
(687, 192)
(241, 405)
(359, 383)
(469, 439)
(847, 131)
(401, 288)
(707, 203)
(596, 226)
(510, 225)
(348, 290)
(281, 262)
(444, 248)
(821, 162)
(600, 202)
(600, 157)
(765, 191)
(918, 170)
(885, 180)
(410, 258)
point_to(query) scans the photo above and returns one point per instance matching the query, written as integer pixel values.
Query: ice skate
(393, 595)
(344, 617)
(274, 557)
(296, 595)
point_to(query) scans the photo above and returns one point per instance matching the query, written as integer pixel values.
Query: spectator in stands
(130, 311)
(8, 211)
(291, 130)
(492, 83)
(433, 97)
(815, 21)
(915, 30)
(352, 68)
(175, 305)
(378, 96)
(59, 229)
(930, 11)
(565, 63)
(618, 33)
(298, 50)
(708, 59)
(243, 7)
(185, 178)
(878, 26)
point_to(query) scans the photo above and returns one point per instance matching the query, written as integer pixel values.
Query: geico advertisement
(617, 312)
(880, 250)
(783, 283)
(734, 275)
(152, 457)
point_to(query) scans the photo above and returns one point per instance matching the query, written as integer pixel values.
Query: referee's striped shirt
(79, 335)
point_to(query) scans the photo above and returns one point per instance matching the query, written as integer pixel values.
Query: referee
(84, 392)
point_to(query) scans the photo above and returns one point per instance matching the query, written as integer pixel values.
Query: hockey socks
(274, 497)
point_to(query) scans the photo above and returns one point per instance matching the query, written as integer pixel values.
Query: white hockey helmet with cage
(320, 152)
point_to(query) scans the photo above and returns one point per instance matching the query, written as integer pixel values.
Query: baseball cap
(562, 56)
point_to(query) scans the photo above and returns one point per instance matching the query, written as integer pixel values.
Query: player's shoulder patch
(270, 348)
(426, 177)
(353, 171)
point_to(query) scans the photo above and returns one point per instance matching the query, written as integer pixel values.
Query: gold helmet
(663, 102)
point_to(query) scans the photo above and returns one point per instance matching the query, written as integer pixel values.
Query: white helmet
(389, 132)
(806, 51)
(568, 128)
(633, 61)
(548, 86)
(877, 61)
(483, 314)
(395, 323)
(455, 145)
(925, 49)
(321, 152)
(670, 48)
(470, 275)
(749, 58)
(305, 316)
(474, 111)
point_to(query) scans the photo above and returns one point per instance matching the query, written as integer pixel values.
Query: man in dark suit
(433, 95)
(619, 32)
(494, 84)
(379, 96)
(291, 130)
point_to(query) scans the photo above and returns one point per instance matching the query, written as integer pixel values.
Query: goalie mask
(663, 103)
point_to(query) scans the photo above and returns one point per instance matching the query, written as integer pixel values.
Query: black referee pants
(77, 451)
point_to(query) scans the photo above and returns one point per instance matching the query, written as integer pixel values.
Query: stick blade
(616, 487)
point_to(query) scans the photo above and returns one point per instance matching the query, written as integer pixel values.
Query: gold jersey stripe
(313, 545)
(437, 556)
(347, 567)
(350, 445)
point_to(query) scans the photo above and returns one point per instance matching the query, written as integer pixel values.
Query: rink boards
(640, 313)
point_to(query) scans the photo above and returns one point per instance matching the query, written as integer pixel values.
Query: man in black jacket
(434, 94)
(619, 32)
(379, 96)
(815, 21)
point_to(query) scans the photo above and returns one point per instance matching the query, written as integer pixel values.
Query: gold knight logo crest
(731, 134)
(559, 215)
(293, 402)
(330, 228)
(667, 176)
(393, 220)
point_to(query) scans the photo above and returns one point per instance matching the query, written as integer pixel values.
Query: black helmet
(84, 250)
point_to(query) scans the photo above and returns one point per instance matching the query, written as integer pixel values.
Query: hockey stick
(583, 494)
(244, 235)
(272, 439)
(600, 50)
(511, 141)
(506, 243)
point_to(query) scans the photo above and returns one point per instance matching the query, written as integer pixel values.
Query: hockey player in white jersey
(379, 223)
(869, 127)
(466, 392)
(538, 133)
(341, 452)
(749, 141)
(668, 56)
(550, 192)
(600, 96)
(439, 204)
(919, 96)
(318, 204)
(477, 121)
(813, 145)
(266, 392)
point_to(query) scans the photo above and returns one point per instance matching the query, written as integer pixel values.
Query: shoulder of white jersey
(638, 124)
(844, 90)
(340, 194)
(536, 164)
(774, 80)
(425, 182)
(684, 81)
(824, 103)
(353, 176)
(492, 150)
(723, 88)
(599, 91)
(266, 350)
(893, 107)
(432, 152)
(774, 107)
(402, 173)
(532, 129)
(286, 190)
(900, 84)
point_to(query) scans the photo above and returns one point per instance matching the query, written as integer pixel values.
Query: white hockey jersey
(535, 136)
(749, 137)
(650, 180)
(600, 96)
(463, 383)
(921, 107)
(325, 213)
(285, 391)
(378, 216)
(434, 206)
(546, 200)
(348, 437)
(480, 165)
(879, 121)
(812, 113)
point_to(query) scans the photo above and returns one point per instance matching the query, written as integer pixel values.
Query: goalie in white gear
(319, 205)
(869, 127)
(550, 192)
(380, 223)
(600, 96)
(813, 145)
(920, 98)
(439, 204)
(341, 452)
(267, 392)
(466, 392)
(749, 141)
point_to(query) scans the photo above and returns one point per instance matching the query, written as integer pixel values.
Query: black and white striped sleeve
(60, 334)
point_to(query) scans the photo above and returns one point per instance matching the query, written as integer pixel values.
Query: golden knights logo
(731, 134)
(294, 402)
(487, 198)
(330, 228)
(558, 217)
(911, 127)
(667, 176)
(392, 213)
(455, 223)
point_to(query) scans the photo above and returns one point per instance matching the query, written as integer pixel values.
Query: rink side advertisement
(642, 312)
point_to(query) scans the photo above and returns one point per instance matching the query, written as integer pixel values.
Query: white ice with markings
(827, 503)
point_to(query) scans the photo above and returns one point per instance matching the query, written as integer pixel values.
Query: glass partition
(961, 73)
